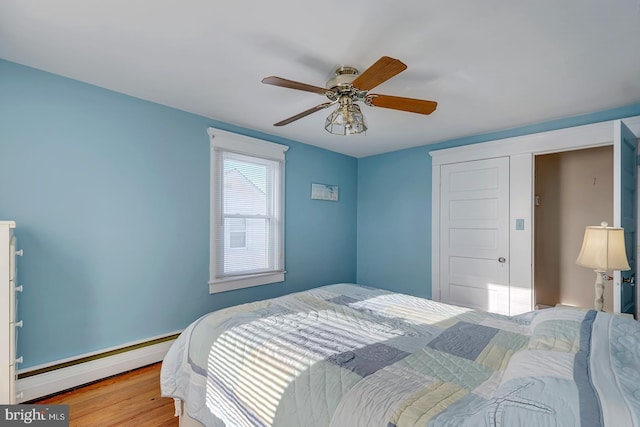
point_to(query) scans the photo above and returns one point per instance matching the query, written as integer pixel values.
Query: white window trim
(241, 144)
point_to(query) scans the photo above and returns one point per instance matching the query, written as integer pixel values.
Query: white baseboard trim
(58, 380)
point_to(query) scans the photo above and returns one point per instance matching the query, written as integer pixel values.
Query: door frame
(521, 150)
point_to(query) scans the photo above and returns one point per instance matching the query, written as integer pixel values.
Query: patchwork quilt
(346, 356)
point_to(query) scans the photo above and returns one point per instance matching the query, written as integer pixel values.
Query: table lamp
(602, 250)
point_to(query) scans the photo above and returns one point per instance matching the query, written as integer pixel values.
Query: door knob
(502, 259)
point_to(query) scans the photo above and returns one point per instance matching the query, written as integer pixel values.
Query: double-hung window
(247, 211)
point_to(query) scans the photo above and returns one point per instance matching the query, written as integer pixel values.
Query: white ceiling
(491, 65)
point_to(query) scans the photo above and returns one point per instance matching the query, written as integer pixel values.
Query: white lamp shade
(603, 249)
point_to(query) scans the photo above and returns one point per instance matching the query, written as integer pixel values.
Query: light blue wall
(111, 198)
(394, 207)
(394, 228)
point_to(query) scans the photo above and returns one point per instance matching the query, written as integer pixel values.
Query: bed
(345, 355)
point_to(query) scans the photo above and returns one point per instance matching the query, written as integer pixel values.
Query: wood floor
(130, 399)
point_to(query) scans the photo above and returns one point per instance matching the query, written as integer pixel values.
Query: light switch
(519, 223)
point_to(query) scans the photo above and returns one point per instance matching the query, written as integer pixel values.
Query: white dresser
(8, 312)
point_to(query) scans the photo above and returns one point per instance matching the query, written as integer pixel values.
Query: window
(237, 228)
(247, 211)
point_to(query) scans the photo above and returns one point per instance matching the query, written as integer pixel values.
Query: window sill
(231, 284)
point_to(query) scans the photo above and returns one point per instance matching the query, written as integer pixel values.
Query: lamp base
(598, 302)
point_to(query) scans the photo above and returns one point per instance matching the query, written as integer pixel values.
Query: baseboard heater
(44, 380)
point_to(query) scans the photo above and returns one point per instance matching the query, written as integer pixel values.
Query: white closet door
(474, 239)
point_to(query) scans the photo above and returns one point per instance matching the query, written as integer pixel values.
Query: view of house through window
(247, 213)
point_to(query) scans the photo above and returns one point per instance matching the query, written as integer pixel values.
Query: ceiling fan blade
(383, 69)
(304, 113)
(279, 81)
(419, 106)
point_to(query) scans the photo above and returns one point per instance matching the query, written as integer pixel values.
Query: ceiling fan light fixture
(347, 119)
(347, 87)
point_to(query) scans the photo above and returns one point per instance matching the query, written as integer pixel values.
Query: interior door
(474, 240)
(625, 169)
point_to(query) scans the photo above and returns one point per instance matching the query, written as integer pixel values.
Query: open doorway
(573, 189)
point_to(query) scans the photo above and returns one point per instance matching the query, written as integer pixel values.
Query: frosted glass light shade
(603, 249)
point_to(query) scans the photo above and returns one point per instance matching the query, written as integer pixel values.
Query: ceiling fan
(349, 86)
